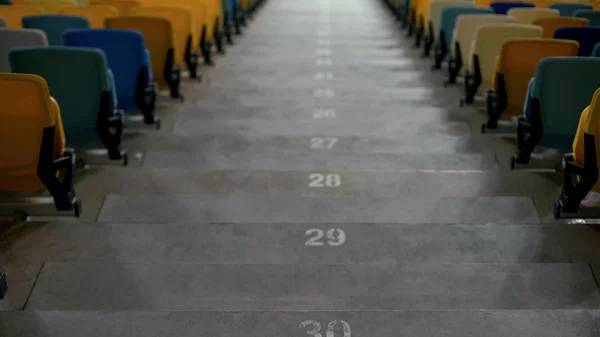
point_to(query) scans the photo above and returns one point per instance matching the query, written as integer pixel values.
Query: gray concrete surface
(311, 181)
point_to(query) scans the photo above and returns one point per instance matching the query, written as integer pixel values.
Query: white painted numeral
(325, 62)
(330, 180)
(324, 52)
(335, 237)
(324, 76)
(324, 113)
(315, 328)
(324, 93)
(324, 42)
(323, 142)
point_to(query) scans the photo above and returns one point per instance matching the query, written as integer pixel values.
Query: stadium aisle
(319, 182)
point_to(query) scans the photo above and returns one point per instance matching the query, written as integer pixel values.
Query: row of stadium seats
(533, 69)
(68, 82)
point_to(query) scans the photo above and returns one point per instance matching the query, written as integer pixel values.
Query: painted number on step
(323, 142)
(313, 328)
(324, 76)
(335, 237)
(331, 180)
(325, 62)
(324, 113)
(324, 93)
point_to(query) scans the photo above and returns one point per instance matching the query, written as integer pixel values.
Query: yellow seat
(181, 25)
(15, 13)
(95, 14)
(51, 6)
(550, 25)
(199, 17)
(589, 123)
(214, 19)
(123, 6)
(464, 32)
(516, 65)
(582, 167)
(527, 16)
(33, 142)
(159, 42)
(487, 44)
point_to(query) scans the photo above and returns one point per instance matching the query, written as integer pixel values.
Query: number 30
(316, 328)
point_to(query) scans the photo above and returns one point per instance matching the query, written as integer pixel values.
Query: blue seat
(502, 7)
(560, 90)
(592, 16)
(129, 60)
(587, 37)
(81, 83)
(55, 25)
(448, 23)
(569, 9)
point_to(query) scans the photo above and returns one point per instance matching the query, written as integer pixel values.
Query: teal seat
(569, 9)
(592, 15)
(561, 89)
(83, 87)
(448, 20)
(55, 25)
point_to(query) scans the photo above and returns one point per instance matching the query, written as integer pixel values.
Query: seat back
(215, 12)
(181, 25)
(586, 36)
(467, 24)
(569, 9)
(436, 8)
(589, 123)
(77, 85)
(488, 42)
(592, 16)
(22, 129)
(3, 22)
(95, 14)
(158, 36)
(502, 7)
(551, 25)
(14, 14)
(517, 63)
(13, 38)
(51, 6)
(55, 25)
(564, 87)
(123, 6)
(125, 52)
(199, 17)
(426, 5)
(596, 50)
(527, 16)
(449, 17)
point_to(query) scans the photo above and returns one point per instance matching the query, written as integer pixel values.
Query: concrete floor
(319, 179)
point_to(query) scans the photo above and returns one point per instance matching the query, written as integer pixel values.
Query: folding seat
(181, 25)
(34, 157)
(435, 14)
(79, 79)
(502, 7)
(51, 6)
(200, 33)
(464, 34)
(487, 44)
(159, 42)
(517, 62)
(586, 36)
(95, 14)
(447, 24)
(550, 25)
(55, 25)
(561, 88)
(3, 22)
(596, 50)
(123, 6)
(569, 9)
(215, 23)
(3, 285)
(592, 16)
(13, 38)
(129, 61)
(14, 14)
(581, 167)
(527, 16)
